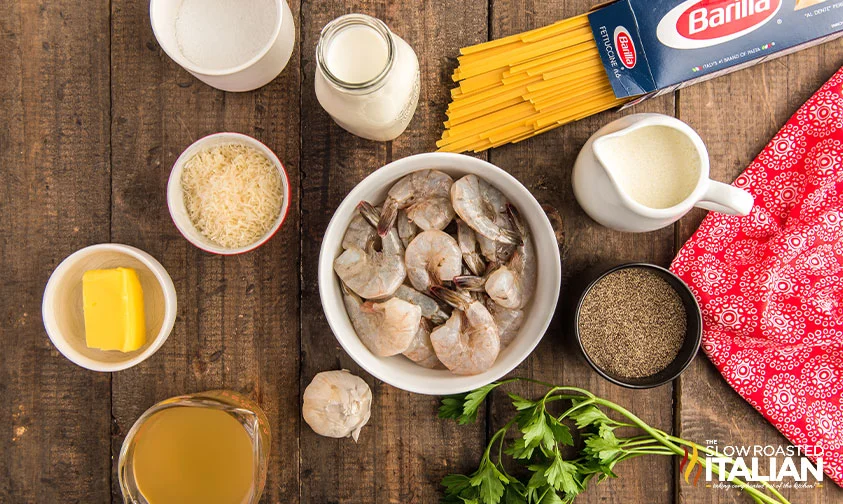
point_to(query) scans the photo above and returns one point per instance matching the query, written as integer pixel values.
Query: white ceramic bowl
(400, 371)
(61, 309)
(175, 194)
(252, 74)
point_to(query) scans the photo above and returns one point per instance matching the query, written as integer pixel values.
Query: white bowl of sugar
(233, 45)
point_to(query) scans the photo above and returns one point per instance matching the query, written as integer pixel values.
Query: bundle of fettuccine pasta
(519, 86)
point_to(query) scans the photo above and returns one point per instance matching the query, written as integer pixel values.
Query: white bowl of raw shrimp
(398, 370)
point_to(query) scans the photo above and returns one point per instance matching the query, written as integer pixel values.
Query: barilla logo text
(624, 47)
(694, 24)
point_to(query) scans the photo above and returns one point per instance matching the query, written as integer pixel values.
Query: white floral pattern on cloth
(786, 148)
(770, 285)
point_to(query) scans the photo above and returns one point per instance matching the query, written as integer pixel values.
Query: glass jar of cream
(367, 78)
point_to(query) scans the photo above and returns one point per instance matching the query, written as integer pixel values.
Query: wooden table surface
(94, 114)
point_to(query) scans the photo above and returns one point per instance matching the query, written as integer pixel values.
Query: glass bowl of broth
(198, 448)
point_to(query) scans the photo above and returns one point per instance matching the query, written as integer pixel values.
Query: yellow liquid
(186, 455)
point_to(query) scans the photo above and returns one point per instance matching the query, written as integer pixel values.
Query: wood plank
(543, 164)
(236, 326)
(405, 451)
(54, 200)
(736, 115)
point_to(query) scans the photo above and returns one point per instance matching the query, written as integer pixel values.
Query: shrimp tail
(456, 299)
(426, 324)
(368, 212)
(517, 221)
(434, 276)
(475, 263)
(470, 283)
(509, 237)
(518, 260)
(388, 216)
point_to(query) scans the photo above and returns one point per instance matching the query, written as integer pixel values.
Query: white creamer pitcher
(664, 185)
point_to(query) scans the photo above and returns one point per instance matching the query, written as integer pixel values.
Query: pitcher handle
(723, 198)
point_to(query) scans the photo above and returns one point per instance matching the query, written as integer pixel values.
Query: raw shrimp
(509, 322)
(512, 284)
(430, 307)
(431, 257)
(386, 328)
(359, 233)
(469, 342)
(370, 273)
(421, 349)
(494, 252)
(483, 208)
(425, 195)
(407, 230)
(467, 240)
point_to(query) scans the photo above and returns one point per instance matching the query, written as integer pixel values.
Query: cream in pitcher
(645, 171)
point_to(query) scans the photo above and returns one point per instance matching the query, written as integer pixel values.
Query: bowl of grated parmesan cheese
(228, 193)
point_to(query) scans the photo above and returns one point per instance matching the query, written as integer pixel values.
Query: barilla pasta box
(654, 47)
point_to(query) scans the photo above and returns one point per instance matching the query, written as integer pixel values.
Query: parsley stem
(550, 385)
(663, 438)
(654, 451)
(574, 408)
(629, 442)
(501, 433)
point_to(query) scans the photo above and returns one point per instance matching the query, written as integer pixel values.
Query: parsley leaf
(519, 450)
(521, 403)
(551, 497)
(601, 448)
(515, 493)
(473, 401)
(537, 482)
(490, 482)
(459, 490)
(540, 428)
(456, 483)
(451, 407)
(463, 407)
(606, 431)
(458, 499)
(589, 415)
(561, 432)
(535, 430)
(562, 475)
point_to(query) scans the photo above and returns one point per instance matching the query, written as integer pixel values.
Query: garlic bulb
(337, 404)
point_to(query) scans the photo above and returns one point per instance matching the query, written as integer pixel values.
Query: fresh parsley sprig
(537, 446)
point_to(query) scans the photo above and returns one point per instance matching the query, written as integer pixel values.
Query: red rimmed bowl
(175, 194)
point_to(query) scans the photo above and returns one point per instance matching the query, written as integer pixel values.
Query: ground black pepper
(632, 323)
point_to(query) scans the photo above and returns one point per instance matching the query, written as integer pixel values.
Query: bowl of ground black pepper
(638, 325)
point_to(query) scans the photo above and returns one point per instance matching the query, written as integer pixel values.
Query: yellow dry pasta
(516, 87)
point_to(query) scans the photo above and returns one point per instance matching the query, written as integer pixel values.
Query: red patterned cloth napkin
(771, 284)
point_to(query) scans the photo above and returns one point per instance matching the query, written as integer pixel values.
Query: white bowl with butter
(63, 315)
